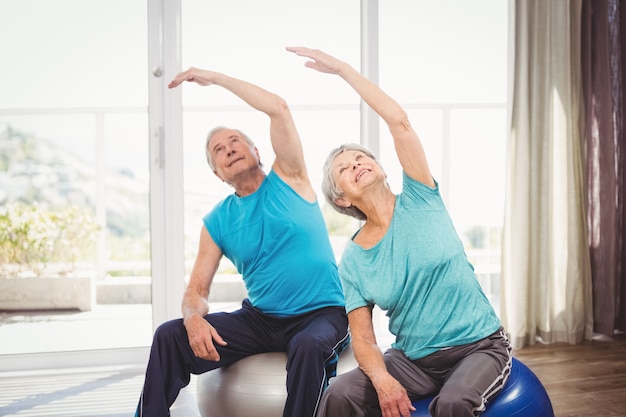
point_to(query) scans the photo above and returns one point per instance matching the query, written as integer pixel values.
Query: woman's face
(353, 171)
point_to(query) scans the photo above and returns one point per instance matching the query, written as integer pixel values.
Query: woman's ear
(342, 202)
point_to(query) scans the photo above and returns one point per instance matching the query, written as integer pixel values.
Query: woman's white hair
(329, 187)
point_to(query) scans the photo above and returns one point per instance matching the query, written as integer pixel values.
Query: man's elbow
(280, 108)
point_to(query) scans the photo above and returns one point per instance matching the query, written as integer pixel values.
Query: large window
(75, 139)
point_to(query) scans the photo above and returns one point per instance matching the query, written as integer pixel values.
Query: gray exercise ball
(253, 386)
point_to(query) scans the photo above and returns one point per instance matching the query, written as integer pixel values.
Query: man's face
(232, 154)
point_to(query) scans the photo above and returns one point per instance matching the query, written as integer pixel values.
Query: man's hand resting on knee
(202, 337)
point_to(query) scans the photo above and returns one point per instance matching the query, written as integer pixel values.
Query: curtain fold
(546, 273)
(603, 53)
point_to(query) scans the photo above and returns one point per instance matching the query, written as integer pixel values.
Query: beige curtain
(546, 277)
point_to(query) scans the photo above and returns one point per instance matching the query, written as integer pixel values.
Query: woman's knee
(340, 392)
(451, 404)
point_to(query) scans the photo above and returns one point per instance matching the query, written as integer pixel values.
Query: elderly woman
(408, 259)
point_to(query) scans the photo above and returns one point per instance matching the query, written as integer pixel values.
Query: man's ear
(342, 202)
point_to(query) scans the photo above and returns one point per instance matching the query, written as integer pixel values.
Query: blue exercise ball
(522, 396)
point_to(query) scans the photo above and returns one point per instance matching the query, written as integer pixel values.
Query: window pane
(477, 167)
(452, 50)
(74, 163)
(247, 39)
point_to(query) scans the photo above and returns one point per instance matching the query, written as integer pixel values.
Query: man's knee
(308, 345)
(169, 330)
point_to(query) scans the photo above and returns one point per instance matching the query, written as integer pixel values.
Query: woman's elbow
(399, 121)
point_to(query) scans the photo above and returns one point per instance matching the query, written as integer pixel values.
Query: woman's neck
(379, 215)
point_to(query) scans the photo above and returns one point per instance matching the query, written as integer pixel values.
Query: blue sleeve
(212, 223)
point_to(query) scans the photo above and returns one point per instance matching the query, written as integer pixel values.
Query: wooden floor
(584, 380)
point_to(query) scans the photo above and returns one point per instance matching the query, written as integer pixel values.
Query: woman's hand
(393, 398)
(321, 61)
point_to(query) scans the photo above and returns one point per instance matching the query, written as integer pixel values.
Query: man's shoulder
(299, 186)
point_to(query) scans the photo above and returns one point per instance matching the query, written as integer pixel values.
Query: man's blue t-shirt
(419, 273)
(279, 243)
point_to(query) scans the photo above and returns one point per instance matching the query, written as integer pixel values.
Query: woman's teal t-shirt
(419, 273)
(279, 243)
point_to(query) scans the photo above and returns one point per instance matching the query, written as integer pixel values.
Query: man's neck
(247, 184)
